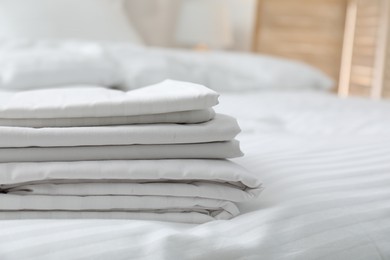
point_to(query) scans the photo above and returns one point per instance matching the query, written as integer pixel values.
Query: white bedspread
(325, 165)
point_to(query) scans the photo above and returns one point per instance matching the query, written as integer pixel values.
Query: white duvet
(325, 166)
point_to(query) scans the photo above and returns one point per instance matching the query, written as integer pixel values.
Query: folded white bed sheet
(213, 150)
(84, 102)
(221, 128)
(192, 191)
(182, 117)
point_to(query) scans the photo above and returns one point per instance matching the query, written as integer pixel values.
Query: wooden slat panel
(386, 70)
(362, 80)
(360, 60)
(364, 50)
(359, 90)
(306, 30)
(313, 31)
(366, 71)
(365, 47)
(369, 10)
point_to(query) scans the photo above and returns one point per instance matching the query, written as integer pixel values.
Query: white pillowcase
(253, 72)
(34, 68)
(221, 71)
(96, 20)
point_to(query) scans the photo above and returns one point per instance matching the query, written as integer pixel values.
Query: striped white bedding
(325, 165)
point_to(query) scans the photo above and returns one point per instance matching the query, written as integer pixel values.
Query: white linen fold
(221, 128)
(182, 117)
(193, 191)
(186, 188)
(183, 217)
(172, 169)
(214, 150)
(91, 101)
(213, 209)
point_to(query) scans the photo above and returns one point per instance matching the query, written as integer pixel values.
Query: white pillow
(33, 68)
(95, 20)
(221, 71)
(252, 72)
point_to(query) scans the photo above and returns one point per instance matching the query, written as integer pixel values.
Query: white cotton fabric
(306, 113)
(212, 150)
(325, 165)
(57, 67)
(222, 71)
(183, 117)
(83, 101)
(202, 210)
(221, 128)
(195, 190)
(109, 187)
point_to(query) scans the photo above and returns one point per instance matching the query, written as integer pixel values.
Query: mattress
(325, 165)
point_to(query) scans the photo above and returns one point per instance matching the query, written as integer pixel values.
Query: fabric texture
(222, 71)
(183, 117)
(218, 70)
(221, 128)
(83, 101)
(120, 171)
(211, 150)
(125, 188)
(324, 163)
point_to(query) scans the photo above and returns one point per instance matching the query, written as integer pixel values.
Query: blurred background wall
(157, 21)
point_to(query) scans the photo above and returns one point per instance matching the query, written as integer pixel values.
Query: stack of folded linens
(157, 152)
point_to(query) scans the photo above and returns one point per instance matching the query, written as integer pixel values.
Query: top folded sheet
(89, 101)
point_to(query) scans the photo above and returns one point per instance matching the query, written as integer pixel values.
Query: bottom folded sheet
(183, 217)
(191, 191)
(213, 150)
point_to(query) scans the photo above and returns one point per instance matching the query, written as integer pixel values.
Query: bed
(324, 162)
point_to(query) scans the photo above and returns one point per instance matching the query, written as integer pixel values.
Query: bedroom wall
(156, 21)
